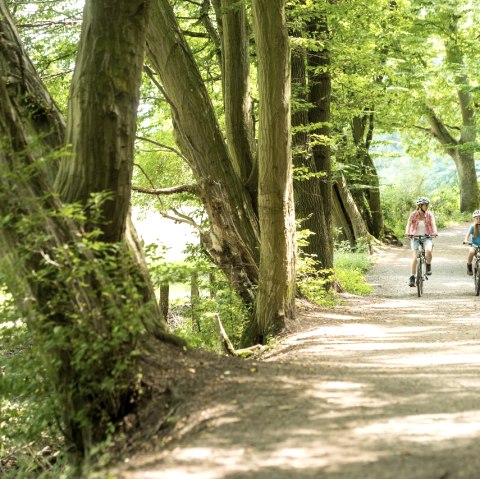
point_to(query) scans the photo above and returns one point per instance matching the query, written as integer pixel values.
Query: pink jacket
(430, 226)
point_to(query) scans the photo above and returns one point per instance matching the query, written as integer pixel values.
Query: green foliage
(193, 318)
(314, 285)
(351, 266)
(50, 32)
(69, 354)
(349, 269)
(434, 176)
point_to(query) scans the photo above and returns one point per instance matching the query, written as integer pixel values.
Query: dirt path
(381, 387)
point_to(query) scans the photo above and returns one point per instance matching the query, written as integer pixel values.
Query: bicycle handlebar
(421, 236)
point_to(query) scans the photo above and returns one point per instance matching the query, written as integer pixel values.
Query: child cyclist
(421, 222)
(473, 236)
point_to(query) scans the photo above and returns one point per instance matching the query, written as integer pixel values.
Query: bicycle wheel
(420, 277)
(477, 278)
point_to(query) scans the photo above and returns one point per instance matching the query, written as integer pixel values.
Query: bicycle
(421, 274)
(476, 268)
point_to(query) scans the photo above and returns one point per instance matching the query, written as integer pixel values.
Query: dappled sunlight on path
(382, 387)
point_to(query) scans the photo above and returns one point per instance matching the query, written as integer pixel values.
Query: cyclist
(421, 222)
(473, 237)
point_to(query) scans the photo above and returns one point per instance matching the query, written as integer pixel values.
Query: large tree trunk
(102, 120)
(319, 115)
(54, 299)
(276, 289)
(63, 283)
(464, 159)
(233, 239)
(308, 204)
(238, 114)
(370, 195)
(44, 123)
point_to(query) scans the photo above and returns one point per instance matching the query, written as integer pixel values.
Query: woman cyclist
(421, 222)
(473, 237)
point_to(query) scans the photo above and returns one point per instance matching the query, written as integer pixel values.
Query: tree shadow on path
(386, 386)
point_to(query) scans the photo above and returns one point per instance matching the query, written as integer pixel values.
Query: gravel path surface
(383, 387)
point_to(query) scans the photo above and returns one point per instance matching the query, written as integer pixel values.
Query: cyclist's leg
(428, 245)
(414, 261)
(471, 254)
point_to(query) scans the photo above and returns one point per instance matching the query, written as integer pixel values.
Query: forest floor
(385, 386)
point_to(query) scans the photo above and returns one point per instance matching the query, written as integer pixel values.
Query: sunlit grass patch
(350, 268)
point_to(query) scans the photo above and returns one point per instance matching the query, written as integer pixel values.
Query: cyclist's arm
(434, 225)
(468, 237)
(409, 222)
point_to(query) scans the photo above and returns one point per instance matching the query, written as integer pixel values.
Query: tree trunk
(307, 191)
(102, 120)
(460, 149)
(233, 239)
(64, 283)
(346, 215)
(164, 300)
(370, 195)
(28, 94)
(54, 299)
(195, 299)
(276, 289)
(463, 159)
(238, 115)
(319, 116)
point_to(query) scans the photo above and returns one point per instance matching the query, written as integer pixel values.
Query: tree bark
(370, 196)
(319, 116)
(102, 120)
(307, 191)
(238, 114)
(276, 289)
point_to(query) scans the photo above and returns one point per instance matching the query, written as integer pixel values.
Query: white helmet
(476, 213)
(423, 201)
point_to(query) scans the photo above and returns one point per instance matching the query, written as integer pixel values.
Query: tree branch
(161, 145)
(167, 191)
(180, 217)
